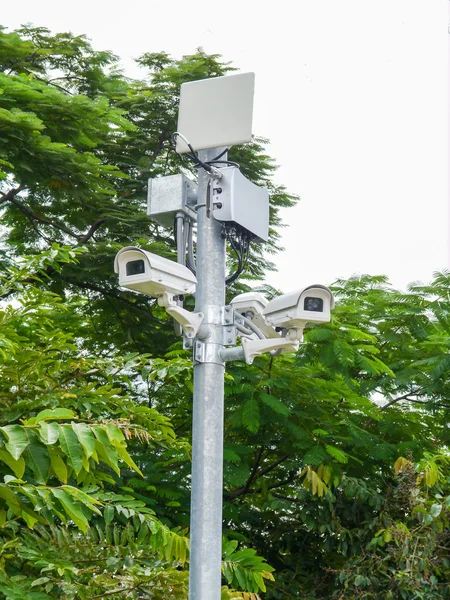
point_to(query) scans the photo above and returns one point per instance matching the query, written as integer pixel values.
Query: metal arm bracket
(189, 321)
(254, 348)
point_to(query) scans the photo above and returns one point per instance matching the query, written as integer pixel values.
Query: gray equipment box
(238, 200)
(170, 195)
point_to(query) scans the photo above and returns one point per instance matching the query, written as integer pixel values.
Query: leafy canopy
(336, 470)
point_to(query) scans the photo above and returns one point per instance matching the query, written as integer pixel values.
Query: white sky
(353, 96)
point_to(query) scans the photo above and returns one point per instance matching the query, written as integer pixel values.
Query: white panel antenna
(216, 112)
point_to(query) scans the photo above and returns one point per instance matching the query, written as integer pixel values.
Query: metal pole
(207, 428)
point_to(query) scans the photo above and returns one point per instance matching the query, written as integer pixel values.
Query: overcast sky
(353, 96)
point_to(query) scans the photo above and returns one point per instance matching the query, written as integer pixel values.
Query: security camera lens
(134, 267)
(313, 304)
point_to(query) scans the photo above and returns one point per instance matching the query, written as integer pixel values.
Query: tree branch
(279, 484)
(117, 591)
(392, 402)
(255, 468)
(92, 229)
(32, 216)
(273, 465)
(29, 213)
(11, 193)
(398, 399)
(244, 490)
(289, 499)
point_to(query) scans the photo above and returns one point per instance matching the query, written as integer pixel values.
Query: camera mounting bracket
(253, 348)
(189, 321)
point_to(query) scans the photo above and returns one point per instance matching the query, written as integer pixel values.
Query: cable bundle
(238, 238)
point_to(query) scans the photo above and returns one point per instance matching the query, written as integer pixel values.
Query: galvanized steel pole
(207, 429)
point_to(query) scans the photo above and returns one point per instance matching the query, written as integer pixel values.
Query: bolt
(230, 341)
(227, 320)
(229, 329)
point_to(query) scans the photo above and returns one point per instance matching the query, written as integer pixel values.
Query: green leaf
(337, 454)
(275, 404)
(108, 514)
(71, 447)
(86, 437)
(55, 414)
(108, 456)
(72, 509)
(58, 466)
(344, 352)
(231, 456)
(228, 548)
(90, 502)
(259, 581)
(10, 497)
(435, 510)
(16, 466)
(250, 415)
(115, 435)
(38, 459)
(48, 432)
(320, 432)
(17, 440)
(123, 455)
(431, 474)
(40, 581)
(360, 581)
(30, 517)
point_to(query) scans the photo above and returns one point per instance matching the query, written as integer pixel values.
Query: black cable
(193, 156)
(221, 154)
(194, 159)
(223, 162)
(190, 267)
(238, 248)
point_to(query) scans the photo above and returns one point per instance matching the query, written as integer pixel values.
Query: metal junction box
(170, 195)
(238, 200)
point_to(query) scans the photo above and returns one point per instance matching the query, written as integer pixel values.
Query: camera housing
(311, 304)
(151, 274)
(252, 305)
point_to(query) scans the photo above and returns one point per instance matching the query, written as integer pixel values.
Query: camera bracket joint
(253, 348)
(190, 321)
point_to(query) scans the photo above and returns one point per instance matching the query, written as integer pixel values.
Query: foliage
(88, 459)
(336, 460)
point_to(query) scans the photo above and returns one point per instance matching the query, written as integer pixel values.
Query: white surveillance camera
(252, 305)
(151, 274)
(308, 305)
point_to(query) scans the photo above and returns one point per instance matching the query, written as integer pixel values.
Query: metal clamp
(207, 352)
(229, 328)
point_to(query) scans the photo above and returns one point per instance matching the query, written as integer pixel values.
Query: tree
(336, 459)
(75, 409)
(79, 144)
